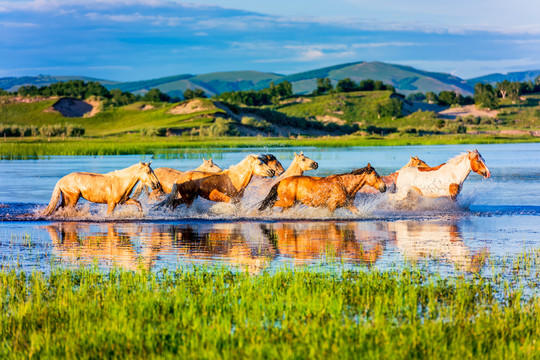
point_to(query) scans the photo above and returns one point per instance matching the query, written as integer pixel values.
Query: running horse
(225, 186)
(274, 163)
(445, 180)
(112, 188)
(390, 180)
(168, 177)
(333, 191)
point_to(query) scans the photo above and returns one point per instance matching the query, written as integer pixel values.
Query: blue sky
(142, 39)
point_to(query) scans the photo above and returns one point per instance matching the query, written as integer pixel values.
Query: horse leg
(69, 199)
(218, 196)
(110, 208)
(134, 202)
(353, 209)
(454, 191)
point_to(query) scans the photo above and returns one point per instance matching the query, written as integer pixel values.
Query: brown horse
(168, 177)
(333, 191)
(225, 186)
(112, 188)
(274, 163)
(390, 180)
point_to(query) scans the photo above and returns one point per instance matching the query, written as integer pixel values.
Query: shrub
(256, 123)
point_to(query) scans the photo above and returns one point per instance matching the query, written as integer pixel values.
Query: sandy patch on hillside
(299, 100)
(75, 108)
(146, 107)
(20, 99)
(467, 110)
(190, 107)
(330, 119)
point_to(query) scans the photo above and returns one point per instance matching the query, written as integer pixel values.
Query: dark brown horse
(225, 186)
(273, 163)
(333, 191)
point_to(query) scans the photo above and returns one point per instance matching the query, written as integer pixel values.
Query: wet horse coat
(225, 186)
(445, 180)
(112, 188)
(333, 191)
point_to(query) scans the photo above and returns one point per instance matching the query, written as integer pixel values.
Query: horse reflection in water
(247, 245)
(438, 240)
(111, 244)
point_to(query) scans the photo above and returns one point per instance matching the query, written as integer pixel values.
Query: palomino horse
(225, 186)
(390, 180)
(445, 180)
(169, 176)
(112, 188)
(332, 191)
(299, 164)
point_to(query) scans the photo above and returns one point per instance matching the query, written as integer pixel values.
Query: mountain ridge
(406, 79)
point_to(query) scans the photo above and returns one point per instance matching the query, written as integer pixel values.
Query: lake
(497, 218)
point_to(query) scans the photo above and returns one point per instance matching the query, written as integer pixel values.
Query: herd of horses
(286, 188)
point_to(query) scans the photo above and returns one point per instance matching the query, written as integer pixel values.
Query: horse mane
(120, 171)
(364, 170)
(267, 157)
(456, 159)
(243, 161)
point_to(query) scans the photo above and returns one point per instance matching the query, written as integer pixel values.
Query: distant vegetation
(367, 108)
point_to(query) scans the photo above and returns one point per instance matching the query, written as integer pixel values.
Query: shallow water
(496, 218)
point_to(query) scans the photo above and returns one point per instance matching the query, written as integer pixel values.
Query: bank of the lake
(216, 313)
(27, 148)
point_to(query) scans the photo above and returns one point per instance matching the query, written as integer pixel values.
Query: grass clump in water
(208, 313)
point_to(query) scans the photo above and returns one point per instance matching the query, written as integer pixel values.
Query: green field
(288, 314)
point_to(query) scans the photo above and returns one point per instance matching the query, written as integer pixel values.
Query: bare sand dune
(467, 110)
(74, 108)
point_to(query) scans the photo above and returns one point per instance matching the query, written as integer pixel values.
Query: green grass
(212, 313)
(28, 148)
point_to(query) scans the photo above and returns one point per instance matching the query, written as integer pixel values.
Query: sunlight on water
(493, 219)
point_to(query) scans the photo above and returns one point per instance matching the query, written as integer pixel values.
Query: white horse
(445, 180)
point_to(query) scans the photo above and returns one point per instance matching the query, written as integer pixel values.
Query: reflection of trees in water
(440, 240)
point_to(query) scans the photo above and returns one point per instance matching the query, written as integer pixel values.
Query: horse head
(273, 163)
(260, 168)
(147, 176)
(373, 179)
(478, 164)
(210, 166)
(416, 162)
(304, 162)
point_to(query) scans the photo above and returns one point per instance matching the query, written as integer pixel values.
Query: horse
(299, 164)
(225, 186)
(333, 191)
(390, 180)
(274, 163)
(169, 176)
(445, 180)
(112, 188)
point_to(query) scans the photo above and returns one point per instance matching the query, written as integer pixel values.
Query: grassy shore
(209, 313)
(27, 148)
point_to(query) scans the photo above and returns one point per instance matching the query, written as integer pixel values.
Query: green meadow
(204, 313)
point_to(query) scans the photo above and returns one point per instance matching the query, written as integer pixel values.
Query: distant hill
(520, 76)
(13, 83)
(405, 79)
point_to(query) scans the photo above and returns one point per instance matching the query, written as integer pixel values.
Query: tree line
(267, 96)
(485, 95)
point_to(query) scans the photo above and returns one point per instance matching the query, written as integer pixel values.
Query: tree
(155, 95)
(346, 85)
(323, 86)
(192, 94)
(431, 97)
(485, 96)
(417, 96)
(447, 98)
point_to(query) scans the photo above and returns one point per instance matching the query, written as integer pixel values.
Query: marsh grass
(289, 313)
(11, 149)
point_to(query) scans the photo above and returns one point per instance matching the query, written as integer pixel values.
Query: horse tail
(55, 197)
(270, 199)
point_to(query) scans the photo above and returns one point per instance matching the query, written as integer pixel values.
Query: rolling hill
(405, 79)
(520, 76)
